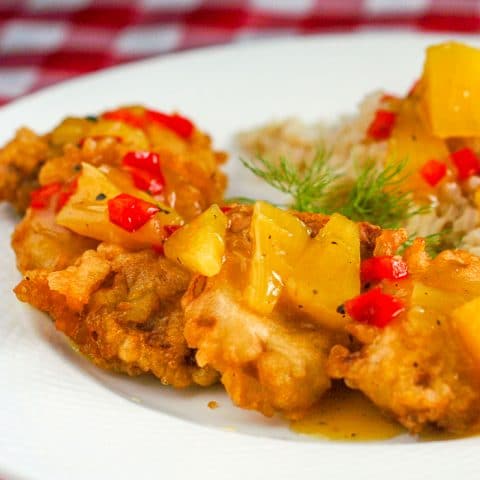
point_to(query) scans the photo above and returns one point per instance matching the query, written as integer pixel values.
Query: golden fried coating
(269, 363)
(20, 161)
(416, 368)
(122, 310)
(39, 243)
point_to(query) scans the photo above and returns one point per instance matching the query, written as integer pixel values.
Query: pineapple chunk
(412, 141)
(133, 138)
(71, 130)
(200, 245)
(452, 91)
(466, 321)
(328, 272)
(278, 240)
(86, 213)
(435, 298)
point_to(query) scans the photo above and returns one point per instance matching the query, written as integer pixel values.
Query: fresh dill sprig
(244, 200)
(376, 196)
(307, 187)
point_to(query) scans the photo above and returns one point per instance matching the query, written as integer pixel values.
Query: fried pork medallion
(422, 368)
(122, 310)
(129, 177)
(270, 341)
(192, 180)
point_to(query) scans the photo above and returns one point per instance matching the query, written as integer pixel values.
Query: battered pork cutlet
(189, 163)
(273, 362)
(120, 307)
(417, 369)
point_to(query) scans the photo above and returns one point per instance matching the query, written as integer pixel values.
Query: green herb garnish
(375, 195)
(244, 200)
(306, 187)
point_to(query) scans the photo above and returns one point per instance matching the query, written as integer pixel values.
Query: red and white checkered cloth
(46, 41)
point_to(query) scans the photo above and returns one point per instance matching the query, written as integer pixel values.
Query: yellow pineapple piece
(466, 321)
(70, 130)
(131, 137)
(86, 213)
(278, 240)
(200, 245)
(451, 93)
(328, 272)
(411, 141)
(435, 298)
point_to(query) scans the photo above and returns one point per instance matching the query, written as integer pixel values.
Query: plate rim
(241, 438)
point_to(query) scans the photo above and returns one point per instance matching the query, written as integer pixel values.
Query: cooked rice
(455, 212)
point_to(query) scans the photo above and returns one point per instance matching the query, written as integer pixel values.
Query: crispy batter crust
(123, 311)
(416, 369)
(268, 363)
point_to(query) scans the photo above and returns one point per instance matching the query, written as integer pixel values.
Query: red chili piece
(226, 208)
(180, 125)
(148, 161)
(42, 197)
(146, 181)
(374, 308)
(146, 171)
(125, 116)
(433, 172)
(170, 229)
(467, 163)
(130, 213)
(383, 268)
(382, 125)
(66, 193)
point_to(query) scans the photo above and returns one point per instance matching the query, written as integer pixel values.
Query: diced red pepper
(433, 172)
(226, 208)
(385, 267)
(130, 213)
(374, 308)
(42, 197)
(144, 180)
(148, 161)
(466, 162)
(66, 193)
(125, 116)
(382, 125)
(146, 171)
(170, 229)
(180, 125)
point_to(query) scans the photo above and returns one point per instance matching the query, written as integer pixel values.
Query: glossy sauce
(347, 415)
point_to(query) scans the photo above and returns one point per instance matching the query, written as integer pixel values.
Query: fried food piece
(416, 369)
(39, 243)
(122, 310)
(269, 363)
(20, 162)
(189, 164)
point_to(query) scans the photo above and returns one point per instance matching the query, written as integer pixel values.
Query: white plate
(61, 418)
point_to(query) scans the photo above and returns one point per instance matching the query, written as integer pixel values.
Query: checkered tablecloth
(47, 41)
